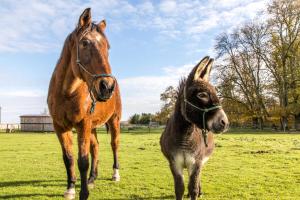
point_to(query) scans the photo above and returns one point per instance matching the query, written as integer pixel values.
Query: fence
(9, 128)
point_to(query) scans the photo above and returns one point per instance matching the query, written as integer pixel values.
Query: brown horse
(185, 142)
(83, 94)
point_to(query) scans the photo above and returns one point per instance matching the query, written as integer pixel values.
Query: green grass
(243, 166)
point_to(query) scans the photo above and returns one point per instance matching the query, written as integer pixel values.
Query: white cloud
(42, 26)
(142, 93)
(168, 7)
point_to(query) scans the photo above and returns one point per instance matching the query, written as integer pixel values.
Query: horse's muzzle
(106, 90)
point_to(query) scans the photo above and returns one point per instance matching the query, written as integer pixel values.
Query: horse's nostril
(103, 85)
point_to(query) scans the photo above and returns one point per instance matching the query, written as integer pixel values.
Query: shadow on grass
(43, 183)
(16, 196)
(34, 183)
(136, 197)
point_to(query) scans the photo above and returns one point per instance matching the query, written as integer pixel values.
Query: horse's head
(201, 104)
(90, 57)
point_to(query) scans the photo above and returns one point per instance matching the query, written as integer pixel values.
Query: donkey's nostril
(223, 123)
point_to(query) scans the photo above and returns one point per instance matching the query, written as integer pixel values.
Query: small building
(36, 123)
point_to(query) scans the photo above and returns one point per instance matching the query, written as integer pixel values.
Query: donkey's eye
(85, 43)
(202, 95)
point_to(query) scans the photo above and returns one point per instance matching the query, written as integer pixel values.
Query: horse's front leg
(84, 137)
(114, 127)
(66, 140)
(94, 154)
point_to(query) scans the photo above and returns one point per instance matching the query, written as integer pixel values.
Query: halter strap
(203, 110)
(94, 76)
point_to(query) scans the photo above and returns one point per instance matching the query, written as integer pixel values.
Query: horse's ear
(203, 69)
(85, 18)
(102, 25)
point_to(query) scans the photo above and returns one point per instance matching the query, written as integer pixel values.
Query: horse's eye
(85, 43)
(202, 95)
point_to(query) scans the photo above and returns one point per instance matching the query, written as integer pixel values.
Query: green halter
(203, 110)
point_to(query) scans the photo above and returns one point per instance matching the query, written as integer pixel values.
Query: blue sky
(153, 44)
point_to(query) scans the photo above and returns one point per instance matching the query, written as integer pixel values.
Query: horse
(187, 141)
(83, 94)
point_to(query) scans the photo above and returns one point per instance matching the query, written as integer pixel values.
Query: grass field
(243, 166)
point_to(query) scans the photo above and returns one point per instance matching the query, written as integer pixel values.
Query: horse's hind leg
(94, 154)
(114, 127)
(66, 141)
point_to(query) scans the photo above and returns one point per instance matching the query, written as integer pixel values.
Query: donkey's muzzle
(220, 122)
(106, 90)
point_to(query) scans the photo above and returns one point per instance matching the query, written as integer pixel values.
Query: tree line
(258, 70)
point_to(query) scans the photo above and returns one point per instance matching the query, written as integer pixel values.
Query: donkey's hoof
(116, 176)
(70, 194)
(91, 185)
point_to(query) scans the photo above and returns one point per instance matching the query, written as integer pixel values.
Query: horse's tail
(107, 128)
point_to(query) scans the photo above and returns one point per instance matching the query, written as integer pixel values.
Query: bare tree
(243, 69)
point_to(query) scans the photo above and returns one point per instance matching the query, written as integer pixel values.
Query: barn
(36, 123)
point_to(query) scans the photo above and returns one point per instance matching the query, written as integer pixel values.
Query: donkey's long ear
(85, 18)
(203, 69)
(102, 25)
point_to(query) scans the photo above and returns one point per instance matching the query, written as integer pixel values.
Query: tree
(242, 80)
(281, 58)
(134, 119)
(143, 118)
(168, 97)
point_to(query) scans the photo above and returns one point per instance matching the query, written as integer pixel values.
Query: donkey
(187, 140)
(83, 94)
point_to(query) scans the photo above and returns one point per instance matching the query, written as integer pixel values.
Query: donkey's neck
(183, 126)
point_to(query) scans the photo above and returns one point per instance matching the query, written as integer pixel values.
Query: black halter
(93, 76)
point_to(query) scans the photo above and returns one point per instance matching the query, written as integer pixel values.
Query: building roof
(37, 115)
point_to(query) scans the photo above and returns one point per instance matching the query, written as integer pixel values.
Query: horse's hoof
(116, 176)
(70, 194)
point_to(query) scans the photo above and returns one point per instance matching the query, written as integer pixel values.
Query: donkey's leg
(66, 141)
(94, 153)
(177, 172)
(114, 127)
(84, 137)
(194, 181)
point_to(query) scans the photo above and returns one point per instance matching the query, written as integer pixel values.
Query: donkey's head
(201, 104)
(91, 57)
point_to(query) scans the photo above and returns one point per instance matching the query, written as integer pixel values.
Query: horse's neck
(71, 82)
(68, 82)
